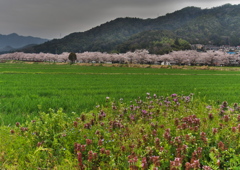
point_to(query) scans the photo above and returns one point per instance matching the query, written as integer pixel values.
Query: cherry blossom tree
(62, 57)
(165, 59)
(192, 57)
(142, 56)
(179, 57)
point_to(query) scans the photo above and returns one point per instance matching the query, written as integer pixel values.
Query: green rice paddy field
(25, 89)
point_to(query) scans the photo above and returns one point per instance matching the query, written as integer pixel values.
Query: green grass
(151, 131)
(27, 88)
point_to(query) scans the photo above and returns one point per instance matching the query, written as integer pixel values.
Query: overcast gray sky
(58, 18)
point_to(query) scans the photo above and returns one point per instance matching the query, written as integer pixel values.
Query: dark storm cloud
(52, 18)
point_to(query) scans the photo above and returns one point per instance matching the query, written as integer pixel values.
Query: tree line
(188, 57)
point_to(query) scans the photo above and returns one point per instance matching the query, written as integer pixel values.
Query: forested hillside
(217, 26)
(157, 42)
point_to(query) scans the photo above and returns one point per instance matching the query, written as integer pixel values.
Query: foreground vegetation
(174, 132)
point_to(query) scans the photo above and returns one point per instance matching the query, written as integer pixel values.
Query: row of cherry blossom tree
(189, 57)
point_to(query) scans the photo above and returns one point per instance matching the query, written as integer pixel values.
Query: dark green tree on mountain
(72, 57)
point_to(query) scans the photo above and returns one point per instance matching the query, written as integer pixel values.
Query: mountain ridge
(14, 41)
(216, 26)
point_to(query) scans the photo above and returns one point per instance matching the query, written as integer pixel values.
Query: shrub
(72, 57)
